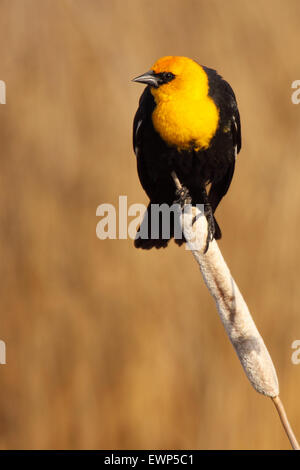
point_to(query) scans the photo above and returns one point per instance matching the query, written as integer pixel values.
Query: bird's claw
(183, 196)
(210, 226)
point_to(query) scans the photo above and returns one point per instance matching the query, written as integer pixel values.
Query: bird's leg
(208, 212)
(182, 192)
(183, 196)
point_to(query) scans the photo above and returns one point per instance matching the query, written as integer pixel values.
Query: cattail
(233, 310)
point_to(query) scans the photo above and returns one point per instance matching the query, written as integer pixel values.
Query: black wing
(141, 129)
(150, 149)
(225, 99)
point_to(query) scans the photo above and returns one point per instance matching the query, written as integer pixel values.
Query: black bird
(187, 124)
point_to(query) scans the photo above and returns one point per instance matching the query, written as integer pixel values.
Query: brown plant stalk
(233, 310)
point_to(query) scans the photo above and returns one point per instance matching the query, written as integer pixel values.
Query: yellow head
(185, 116)
(173, 75)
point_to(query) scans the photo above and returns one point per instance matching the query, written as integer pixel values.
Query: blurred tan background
(108, 346)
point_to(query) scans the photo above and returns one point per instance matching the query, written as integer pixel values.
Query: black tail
(218, 233)
(144, 236)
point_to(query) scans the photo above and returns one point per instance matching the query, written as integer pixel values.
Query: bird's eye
(168, 76)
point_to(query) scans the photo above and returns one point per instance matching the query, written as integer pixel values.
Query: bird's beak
(149, 78)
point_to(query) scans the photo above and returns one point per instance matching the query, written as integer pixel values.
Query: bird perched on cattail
(188, 125)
